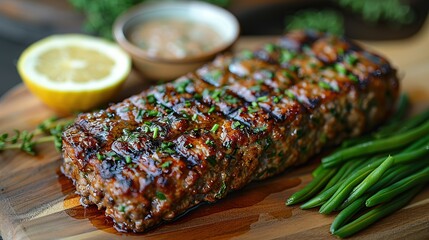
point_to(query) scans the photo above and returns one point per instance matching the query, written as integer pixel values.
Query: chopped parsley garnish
(236, 124)
(214, 128)
(269, 47)
(340, 69)
(111, 154)
(277, 99)
(151, 98)
(181, 86)
(324, 85)
(166, 164)
(351, 59)
(353, 78)
(212, 109)
(256, 88)
(100, 156)
(121, 208)
(254, 108)
(128, 136)
(155, 132)
(290, 94)
(185, 114)
(293, 68)
(152, 113)
(194, 117)
(127, 159)
(139, 116)
(145, 129)
(198, 96)
(230, 99)
(216, 94)
(246, 54)
(167, 147)
(187, 103)
(260, 129)
(213, 76)
(160, 196)
(209, 142)
(262, 99)
(285, 56)
(286, 74)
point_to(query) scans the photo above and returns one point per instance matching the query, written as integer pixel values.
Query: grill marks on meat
(240, 118)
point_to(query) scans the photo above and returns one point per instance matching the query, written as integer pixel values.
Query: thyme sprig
(49, 130)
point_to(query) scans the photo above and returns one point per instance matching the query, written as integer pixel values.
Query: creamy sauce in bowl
(175, 38)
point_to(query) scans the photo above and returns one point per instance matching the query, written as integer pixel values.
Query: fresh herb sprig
(366, 188)
(49, 130)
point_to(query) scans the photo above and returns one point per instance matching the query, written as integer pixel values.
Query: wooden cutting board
(38, 202)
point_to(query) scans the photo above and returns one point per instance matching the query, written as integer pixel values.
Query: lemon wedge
(72, 72)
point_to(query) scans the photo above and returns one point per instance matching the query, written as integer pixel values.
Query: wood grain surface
(38, 202)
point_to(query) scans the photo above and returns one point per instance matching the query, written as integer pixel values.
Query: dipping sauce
(175, 38)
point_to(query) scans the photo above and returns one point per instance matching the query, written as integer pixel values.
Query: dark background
(23, 22)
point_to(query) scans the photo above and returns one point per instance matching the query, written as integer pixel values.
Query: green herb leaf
(214, 128)
(161, 196)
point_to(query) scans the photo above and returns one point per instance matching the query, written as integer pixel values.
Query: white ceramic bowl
(159, 68)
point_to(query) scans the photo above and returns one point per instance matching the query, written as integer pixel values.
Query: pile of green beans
(372, 176)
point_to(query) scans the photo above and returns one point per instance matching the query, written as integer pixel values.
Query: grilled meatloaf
(240, 118)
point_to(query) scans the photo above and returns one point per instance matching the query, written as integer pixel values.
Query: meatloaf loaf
(240, 118)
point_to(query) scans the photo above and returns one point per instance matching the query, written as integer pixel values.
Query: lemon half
(72, 72)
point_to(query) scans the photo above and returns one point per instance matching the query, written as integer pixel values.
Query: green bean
(331, 186)
(377, 213)
(338, 176)
(376, 146)
(397, 173)
(346, 187)
(406, 126)
(411, 155)
(370, 180)
(405, 157)
(330, 189)
(347, 213)
(355, 141)
(320, 198)
(417, 144)
(388, 193)
(317, 170)
(312, 188)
